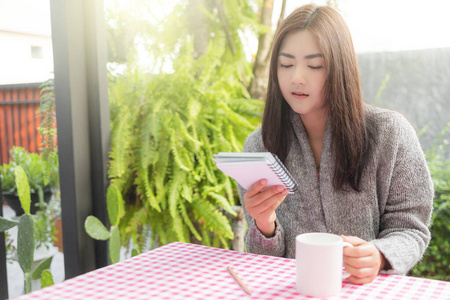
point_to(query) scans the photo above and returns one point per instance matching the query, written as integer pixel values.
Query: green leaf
(114, 245)
(212, 218)
(188, 222)
(135, 252)
(175, 186)
(6, 224)
(177, 227)
(95, 229)
(25, 242)
(46, 278)
(23, 189)
(143, 180)
(45, 264)
(223, 203)
(194, 108)
(115, 204)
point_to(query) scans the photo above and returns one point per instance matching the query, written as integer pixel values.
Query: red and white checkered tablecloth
(188, 271)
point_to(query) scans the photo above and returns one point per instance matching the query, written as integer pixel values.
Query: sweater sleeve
(255, 241)
(404, 233)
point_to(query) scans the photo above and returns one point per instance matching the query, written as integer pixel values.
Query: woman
(361, 171)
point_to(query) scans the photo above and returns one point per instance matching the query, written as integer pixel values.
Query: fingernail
(279, 188)
(263, 182)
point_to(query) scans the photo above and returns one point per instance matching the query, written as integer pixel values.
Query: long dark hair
(342, 92)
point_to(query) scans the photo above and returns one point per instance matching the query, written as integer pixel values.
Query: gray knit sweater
(392, 210)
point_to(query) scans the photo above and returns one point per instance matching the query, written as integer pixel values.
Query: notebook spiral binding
(284, 175)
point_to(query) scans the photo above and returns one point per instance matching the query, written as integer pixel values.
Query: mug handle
(346, 274)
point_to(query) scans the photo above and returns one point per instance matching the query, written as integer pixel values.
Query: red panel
(19, 123)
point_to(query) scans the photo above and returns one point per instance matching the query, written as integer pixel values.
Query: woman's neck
(315, 125)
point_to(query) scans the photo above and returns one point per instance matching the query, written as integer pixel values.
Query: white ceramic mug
(319, 259)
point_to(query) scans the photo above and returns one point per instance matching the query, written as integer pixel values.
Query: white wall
(25, 23)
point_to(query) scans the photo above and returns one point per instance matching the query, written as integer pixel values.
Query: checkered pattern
(187, 271)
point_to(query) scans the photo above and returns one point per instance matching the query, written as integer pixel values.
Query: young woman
(361, 171)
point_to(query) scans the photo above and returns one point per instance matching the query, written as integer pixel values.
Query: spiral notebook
(249, 167)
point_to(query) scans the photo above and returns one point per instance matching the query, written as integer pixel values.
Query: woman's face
(301, 73)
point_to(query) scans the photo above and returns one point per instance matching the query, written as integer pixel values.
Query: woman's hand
(364, 261)
(261, 205)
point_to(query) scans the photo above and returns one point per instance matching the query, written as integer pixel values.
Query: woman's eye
(315, 67)
(285, 66)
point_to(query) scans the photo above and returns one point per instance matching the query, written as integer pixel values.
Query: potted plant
(42, 176)
(26, 236)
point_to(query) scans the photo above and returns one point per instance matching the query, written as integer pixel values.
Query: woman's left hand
(363, 261)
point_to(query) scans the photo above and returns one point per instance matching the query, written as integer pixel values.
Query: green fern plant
(47, 129)
(165, 130)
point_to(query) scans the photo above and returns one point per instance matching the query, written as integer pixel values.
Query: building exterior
(26, 54)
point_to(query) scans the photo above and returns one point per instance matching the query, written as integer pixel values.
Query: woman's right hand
(261, 205)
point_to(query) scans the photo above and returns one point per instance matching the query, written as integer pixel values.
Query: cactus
(46, 278)
(25, 242)
(25, 235)
(42, 272)
(6, 224)
(23, 189)
(114, 244)
(96, 230)
(115, 205)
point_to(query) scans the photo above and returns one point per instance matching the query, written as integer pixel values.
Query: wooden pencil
(238, 280)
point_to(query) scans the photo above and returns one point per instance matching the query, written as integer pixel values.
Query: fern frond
(224, 242)
(216, 241)
(188, 222)
(174, 191)
(120, 141)
(188, 138)
(236, 146)
(194, 109)
(206, 236)
(228, 186)
(180, 155)
(211, 217)
(143, 184)
(223, 202)
(178, 228)
(186, 192)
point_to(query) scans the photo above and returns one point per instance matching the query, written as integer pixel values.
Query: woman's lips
(299, 95)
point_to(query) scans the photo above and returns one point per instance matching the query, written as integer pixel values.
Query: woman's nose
(298, 77)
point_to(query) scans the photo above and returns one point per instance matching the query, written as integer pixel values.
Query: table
(188, 271)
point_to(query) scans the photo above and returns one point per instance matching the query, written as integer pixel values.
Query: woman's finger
(271, 203)
(360, 262)
(255, 188)
(360, 272)
(263, 196)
